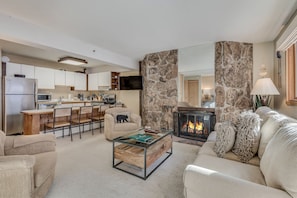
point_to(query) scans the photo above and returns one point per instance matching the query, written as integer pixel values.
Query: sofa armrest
(29, 144)
(16, 173)
(202, 182)
(136, 119)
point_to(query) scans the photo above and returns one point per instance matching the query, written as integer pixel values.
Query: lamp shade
(264, 86)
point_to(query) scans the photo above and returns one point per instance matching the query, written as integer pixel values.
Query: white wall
(263, 53)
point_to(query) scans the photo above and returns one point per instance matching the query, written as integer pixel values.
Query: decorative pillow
(268, 129)
(248, 136)
(122, 117)
(225, 138)
(278, 163)
(2, 140)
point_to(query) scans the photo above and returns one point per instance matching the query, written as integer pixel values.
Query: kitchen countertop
(69, 101)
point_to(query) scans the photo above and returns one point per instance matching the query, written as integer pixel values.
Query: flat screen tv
(130, 82)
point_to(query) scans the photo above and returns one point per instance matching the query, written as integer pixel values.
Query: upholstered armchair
(27, 165)
(120, 121)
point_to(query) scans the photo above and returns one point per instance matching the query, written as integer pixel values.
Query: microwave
(44, 97)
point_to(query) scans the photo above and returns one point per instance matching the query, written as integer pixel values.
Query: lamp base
(260, 101)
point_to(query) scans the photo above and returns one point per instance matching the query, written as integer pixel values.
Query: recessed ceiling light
(72, 61)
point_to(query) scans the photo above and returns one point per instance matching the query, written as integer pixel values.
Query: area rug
(84, 169)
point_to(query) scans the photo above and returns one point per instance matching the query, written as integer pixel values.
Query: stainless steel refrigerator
(18, 94)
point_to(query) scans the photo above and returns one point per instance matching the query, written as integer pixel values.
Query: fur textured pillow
(225, 138)
(248, 136)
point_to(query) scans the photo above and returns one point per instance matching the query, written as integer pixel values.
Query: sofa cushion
(268, 129)
(231, 168)
(44, 166)
(248, 136)
(225, 138)
(207, 149)
(279, 160)
(2, 142)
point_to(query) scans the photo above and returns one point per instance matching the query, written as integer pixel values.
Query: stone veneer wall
(159, 95)
(233, 78)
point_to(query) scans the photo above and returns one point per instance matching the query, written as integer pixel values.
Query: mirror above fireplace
(196, 76)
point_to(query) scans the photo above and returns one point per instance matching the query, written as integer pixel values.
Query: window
(291, 76)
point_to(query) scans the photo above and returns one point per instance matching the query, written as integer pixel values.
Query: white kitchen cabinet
(60, 77)
(69, 78)
(80, 81)
(45, 77)
(12, 68)
(104, 79)
(28, 71)
(93, 82)
(16, 68)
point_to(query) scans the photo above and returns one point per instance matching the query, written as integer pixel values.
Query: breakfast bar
(35, 119)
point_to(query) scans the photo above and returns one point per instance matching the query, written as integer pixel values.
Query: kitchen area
(26, 106)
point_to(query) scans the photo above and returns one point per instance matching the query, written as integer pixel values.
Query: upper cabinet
(15, 68)
(80, 81)
(69, 78)
(45, 77)
(60, 77)
(99, 81)
(48, 78)
(104, 79)
(93, 82)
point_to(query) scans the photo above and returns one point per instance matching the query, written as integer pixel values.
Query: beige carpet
(84, 170)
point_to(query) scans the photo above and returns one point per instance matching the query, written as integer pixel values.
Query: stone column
(233, 78)
(159, 95)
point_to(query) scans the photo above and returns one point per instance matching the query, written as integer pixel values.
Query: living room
(145, 40)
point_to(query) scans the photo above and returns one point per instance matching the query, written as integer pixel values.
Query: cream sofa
(27, 165)
(114, 128)
(272, 173)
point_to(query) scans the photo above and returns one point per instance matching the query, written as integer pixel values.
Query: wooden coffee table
(139, 158)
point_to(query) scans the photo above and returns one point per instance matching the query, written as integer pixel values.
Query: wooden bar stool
(84, 116)
(61, 119)
(98, 114)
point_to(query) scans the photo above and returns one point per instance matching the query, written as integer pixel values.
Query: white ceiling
(127, 30)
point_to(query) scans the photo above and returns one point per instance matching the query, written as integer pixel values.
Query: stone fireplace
(194, 124)
(159, 95)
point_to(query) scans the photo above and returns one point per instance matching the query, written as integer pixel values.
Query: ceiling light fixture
(72, 61)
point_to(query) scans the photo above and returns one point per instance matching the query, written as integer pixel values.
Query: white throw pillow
(265, 112)
(248, 136)
(268, 129)
(225, 138)
(279, 161)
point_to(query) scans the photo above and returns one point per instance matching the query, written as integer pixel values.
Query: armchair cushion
(29, 144)
(2, 140)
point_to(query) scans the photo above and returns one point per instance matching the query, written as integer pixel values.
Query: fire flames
(197, 127)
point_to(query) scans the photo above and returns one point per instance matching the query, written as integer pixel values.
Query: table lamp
(262, 91)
